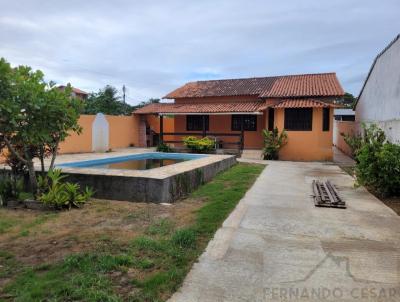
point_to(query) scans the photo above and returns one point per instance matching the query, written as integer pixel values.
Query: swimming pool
(112, 176)
(144, 161)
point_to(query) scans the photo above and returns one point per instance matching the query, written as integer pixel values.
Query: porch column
(204, 125)
(161, 129)
(241, 132)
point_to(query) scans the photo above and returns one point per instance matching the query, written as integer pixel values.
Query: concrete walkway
(277, 246)
(342, 159)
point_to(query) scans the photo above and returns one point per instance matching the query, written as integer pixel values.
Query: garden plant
(273, 142)
(199, 145)
(377, 161)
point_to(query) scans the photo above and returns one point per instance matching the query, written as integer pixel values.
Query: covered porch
(234, 126)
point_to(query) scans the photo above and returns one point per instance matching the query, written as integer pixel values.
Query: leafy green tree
(35, 116)
(349, 100)
(107, 101)
(144, 103)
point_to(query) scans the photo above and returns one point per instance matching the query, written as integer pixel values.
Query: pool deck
(156, 173)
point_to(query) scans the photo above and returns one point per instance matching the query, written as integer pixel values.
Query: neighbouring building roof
(304, 85)
(169, 108)
(344, 112)
(373, 66)
(75, 90)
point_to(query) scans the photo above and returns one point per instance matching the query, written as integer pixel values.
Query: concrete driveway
(277, 246)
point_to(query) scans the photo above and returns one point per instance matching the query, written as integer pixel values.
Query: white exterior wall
(380, 99)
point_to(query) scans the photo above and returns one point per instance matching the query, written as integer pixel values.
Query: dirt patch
(393, 203)
(35, 238)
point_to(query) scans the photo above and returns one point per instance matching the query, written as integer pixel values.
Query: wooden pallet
(326, 195)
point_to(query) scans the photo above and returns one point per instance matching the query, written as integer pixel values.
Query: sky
(153, 47)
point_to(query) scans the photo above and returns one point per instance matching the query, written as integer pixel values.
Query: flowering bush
(199, 145)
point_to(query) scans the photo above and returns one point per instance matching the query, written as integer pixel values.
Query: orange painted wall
(346, 127)
(315, 145)
(79, 143)
(124, 131)
(3, 156)
(168, 125)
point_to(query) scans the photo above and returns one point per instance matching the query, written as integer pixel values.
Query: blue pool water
(144, 161)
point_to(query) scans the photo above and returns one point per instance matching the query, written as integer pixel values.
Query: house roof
(373, 66)
(169, 108)
(303, 85)
(234, 107)
(76, 90)
(344, 112)
(303, 103)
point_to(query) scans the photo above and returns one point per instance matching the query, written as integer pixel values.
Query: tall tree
(107, 101)
(35, 116)
(144, 103)
(349, 100)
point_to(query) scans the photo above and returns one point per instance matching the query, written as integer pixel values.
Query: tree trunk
(32, 177)
(41, 156)
(54, 155)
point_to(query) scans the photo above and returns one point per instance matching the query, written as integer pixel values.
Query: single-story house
(76, 92)
(235, 111)
(344, 115)
(379, 99)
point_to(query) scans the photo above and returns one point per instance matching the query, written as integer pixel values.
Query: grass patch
(41, 219)
(6, 224)
(8, 264)
(161, 227)
(154, 264)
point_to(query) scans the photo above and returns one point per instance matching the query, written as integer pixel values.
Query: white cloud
(152, 47)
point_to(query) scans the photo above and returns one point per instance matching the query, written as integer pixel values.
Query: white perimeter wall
(380, 100)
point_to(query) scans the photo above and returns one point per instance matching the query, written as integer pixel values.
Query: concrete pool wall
(165, 184)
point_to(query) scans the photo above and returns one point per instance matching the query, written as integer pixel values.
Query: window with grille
(249, 122)
(325, 119)
(271, 115)
(298, 119)
(195, 122)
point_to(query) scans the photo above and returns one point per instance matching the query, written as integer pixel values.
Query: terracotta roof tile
(303, 103)
(200, 108)
(76, 90)
(323, 84)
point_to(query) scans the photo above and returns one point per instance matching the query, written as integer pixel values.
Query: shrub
(378, 162)
(11, 187)
(273, 142)
(164, 148)
(199, 145)
(62, 194)
(354, 142)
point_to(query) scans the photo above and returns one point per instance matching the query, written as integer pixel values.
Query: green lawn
(150, 268)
